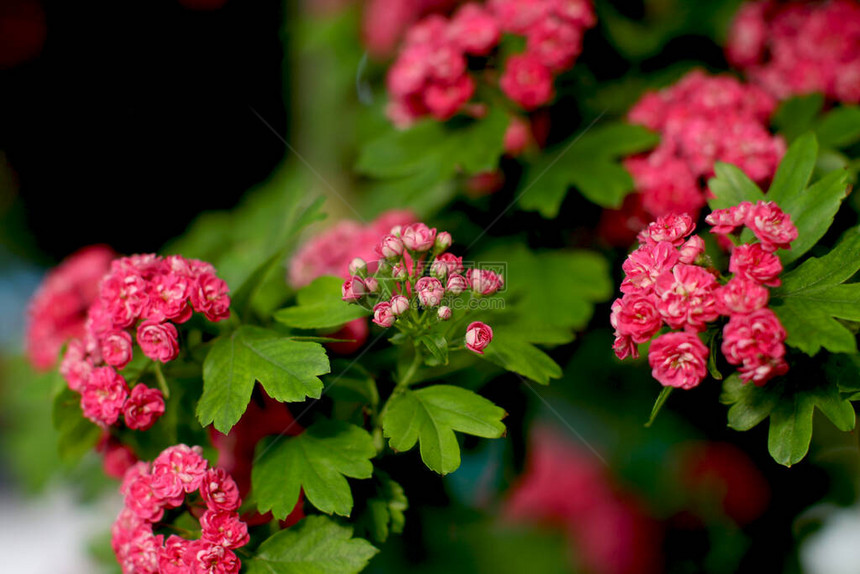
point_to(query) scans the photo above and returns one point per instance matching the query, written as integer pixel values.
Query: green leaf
(288, 370)
(417, 164)
(840, 127)
(317, 462)
(316, 545)
(77, 434)
(431, 415)
(844, 370)
(731, 186)
(514, 353)
(812, 297)
(384, 511)
(789, 402)
(319, 306)
(794, 170)
(812, 211)
(796, 115)
(658, 404)
(437, 345)
(590, 163)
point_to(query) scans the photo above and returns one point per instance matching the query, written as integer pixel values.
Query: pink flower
(518, 16)
(390, 247)
(418, 237)
(672, 228)
(518, 136)
(210, 296)
(636, 316)
(740, 296)
(478, 336)
(116, 349)
(725, 221)
(174, 556)
(208, 558)
(760, 369)
(443, 100)
(158, 341)
(484, 281)
(752, 261)
(76, 366)
(685, 296)
(750, 337)
(578, 12)
(443, 241)
(456, 284)
(177, 470)
(430, 291)
(678, 360)
(410, 72)
(382, 314)
(140, 497)
(474, 30)
(555, 43)
(446, 64)
(399, 305)
(748, 34)
(527, 81)
(103, 395)
(143, 407)
(118, 458)
(691, 250)
(444, 313)
(771, 225)
(354, 289)
(219, 491)
(224, 529)
(644, 265)
(124, 297)
(624, 347)
(446, 264)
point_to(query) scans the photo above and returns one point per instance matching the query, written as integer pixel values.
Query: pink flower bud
(478, 336)
(399, 272)
(517, 137)
(444, 312)
(418, 237)
(382, 314)
(691, 250)
(397, 230)
(116, 349)
(158, 341)
(371, 284)
(443, 241)
(390, 247)
(430, 291)
(353, 289)
(456, 284)
(484, 281)
(357, 266)
(446, 264)
(399, 305)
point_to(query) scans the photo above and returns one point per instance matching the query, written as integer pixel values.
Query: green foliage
(731, 186)
(430, 416)
(589, 162)
(316, 545)
(319, 306)
(383, 513)
(789, 402)
(77, 435)
(839, 128)
(796, 116)
(814, 296)
(289, 371)
(416, 165)
(317, 462)
(513, 352)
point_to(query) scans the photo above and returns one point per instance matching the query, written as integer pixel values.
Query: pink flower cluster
(666, 284)
(792, 48)
(58, 310)
(702, 119)
(432, 76)
(385, 21)
(149, 489)
(415, 271)
(146, 295)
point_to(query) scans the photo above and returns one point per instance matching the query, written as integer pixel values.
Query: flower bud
(691, 250)
(382, 314)
(399, 273)
(353, 289)
(439, 269)
(456, 284)
(478, 336)
(390, 247)
(357, 266)
(397, 230)
(443, 242)
(430, 291)
(484, 281)
(444, 312)
(399, 304)
(418, 237)
(371, 284)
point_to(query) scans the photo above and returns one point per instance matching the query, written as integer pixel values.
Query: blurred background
(120, 123)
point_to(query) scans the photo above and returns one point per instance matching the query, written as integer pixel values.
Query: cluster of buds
(669, 282)
(147, 296)
(149, 489)
(417, 280)
(792, 48)
(436, 69)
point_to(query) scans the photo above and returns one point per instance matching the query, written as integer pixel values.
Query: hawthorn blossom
(678, 360)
